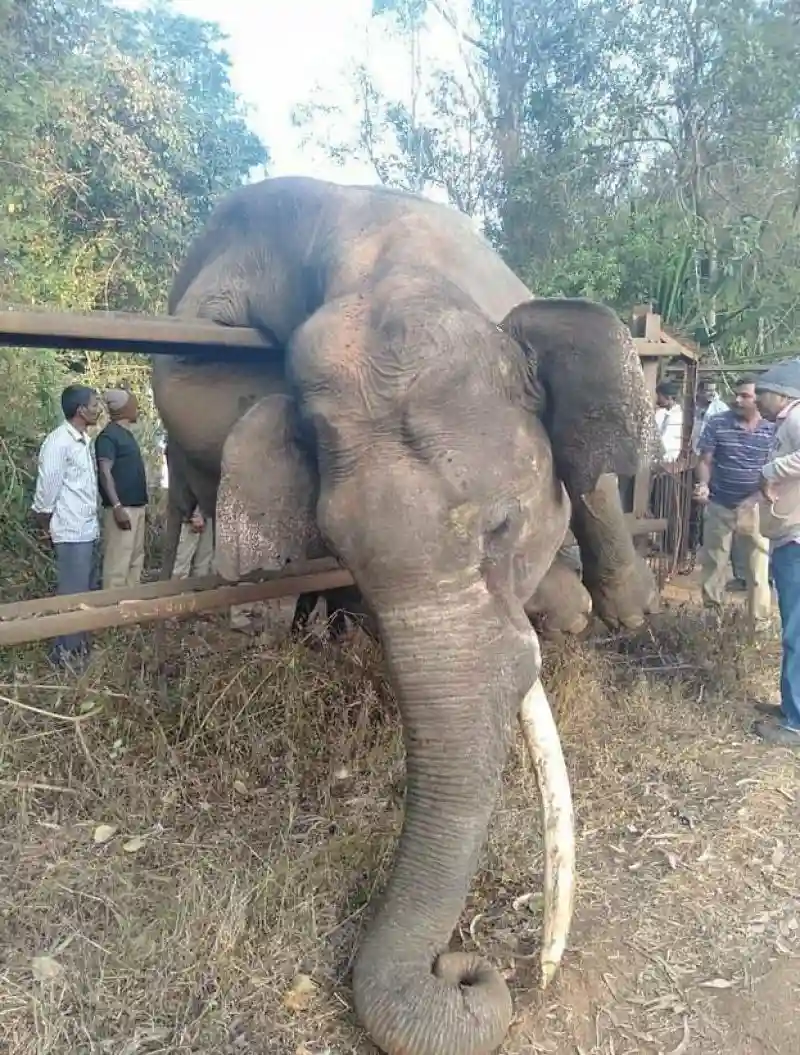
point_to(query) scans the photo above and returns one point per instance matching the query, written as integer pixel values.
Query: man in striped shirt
(65, 505)
(733, 448)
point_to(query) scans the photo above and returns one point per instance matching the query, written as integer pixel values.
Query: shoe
(773, 710)
(778, 733)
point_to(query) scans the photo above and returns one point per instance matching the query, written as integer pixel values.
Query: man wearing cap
(778, 395)
(122, 482)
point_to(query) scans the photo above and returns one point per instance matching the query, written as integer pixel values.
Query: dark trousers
(77, 568)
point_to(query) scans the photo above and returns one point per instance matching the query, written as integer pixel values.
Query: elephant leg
(265, 518)
(619, 580)
(599, 416)
(434, 526)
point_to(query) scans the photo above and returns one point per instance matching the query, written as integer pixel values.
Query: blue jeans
(786, 572)
(77, 568)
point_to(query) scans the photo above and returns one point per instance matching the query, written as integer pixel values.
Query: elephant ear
(598, 412)
(267, 494)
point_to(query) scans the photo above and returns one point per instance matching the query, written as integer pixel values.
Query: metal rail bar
(101, 609)
(119, 331)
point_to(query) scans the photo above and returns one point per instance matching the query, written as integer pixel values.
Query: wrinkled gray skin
(400, 427)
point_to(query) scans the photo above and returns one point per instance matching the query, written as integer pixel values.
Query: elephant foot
(561, 604)
(625, 598)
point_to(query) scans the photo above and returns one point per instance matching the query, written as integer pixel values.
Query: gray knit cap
(783, 379)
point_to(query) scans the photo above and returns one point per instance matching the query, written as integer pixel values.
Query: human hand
(42, 522)
(767, 489)
(197, 522)
(121, 518)
(701, 493)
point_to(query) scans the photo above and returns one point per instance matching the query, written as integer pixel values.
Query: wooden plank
(665, 348)
(647, 525)
(735, 368)
(118, 331)
(652, 326)
(149, 591)
(638, 321)
(641, 492)
(177, 606)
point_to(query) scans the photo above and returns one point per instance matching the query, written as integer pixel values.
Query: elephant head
(408, 442)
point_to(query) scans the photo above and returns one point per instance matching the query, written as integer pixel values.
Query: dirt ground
(189, 871)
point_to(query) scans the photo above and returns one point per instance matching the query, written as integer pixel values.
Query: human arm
(197, 521)
(49, 480)
(706, 446)
(786, 466)
(106, 454)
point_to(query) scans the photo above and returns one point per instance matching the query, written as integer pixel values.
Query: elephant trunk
(458, 697)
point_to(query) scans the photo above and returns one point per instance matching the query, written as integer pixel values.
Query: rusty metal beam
(44, 618)
(119, 331)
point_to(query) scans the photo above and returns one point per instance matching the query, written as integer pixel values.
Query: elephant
(422, 417)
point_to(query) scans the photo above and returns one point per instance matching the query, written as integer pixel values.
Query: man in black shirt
(122, 483)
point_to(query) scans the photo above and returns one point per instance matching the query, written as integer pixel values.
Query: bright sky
(282, 49)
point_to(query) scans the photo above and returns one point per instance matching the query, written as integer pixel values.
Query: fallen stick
(127, 612)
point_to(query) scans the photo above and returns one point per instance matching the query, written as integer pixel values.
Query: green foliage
(29, 385)
(119, 131)
(633, 153)
(120, 141)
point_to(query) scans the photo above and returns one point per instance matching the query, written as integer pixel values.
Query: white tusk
(544, 747)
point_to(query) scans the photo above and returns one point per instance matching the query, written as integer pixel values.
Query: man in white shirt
(66, 505)
(669, 421)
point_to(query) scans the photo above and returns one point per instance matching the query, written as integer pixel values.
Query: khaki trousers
(720, 526)
(195, 552)
(123, 551)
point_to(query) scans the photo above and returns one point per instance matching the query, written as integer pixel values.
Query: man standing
(123, 490)
(65, 506)
(779, 400)
(669, 420)
(707, 405)
(195, 553)
(733, 449)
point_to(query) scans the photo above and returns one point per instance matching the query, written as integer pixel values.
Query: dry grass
(255, 810)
